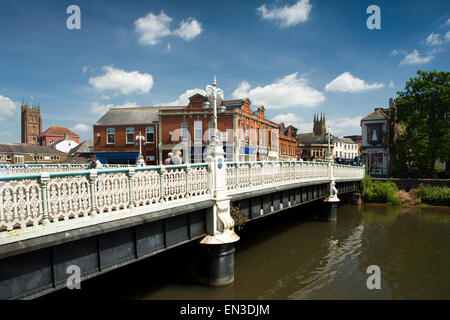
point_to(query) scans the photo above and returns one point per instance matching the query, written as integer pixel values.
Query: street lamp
(214, 93)
(329, 156)
(140, 138)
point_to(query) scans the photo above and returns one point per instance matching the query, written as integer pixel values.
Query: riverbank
(387, 192)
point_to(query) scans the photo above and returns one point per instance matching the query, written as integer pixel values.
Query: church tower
(319, 128)
(31, 123)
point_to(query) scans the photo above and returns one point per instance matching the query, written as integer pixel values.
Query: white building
(344, 148)
(64, 145)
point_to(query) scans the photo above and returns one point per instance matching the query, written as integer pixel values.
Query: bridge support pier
(216, 258)
(329, 212)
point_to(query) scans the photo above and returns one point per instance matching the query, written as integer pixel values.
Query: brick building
(55, 134)
(115, 135)
(31, 123)
(246, 135)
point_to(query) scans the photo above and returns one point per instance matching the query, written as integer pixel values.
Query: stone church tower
(31, 123)
(319, 128)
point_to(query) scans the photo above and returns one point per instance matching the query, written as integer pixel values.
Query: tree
(423, 111)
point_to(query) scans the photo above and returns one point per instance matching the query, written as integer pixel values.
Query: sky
(296, 58)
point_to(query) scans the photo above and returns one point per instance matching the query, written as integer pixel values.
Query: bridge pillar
(216, 258)
(329, 212)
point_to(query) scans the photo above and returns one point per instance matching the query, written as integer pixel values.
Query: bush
(379, 192)
(238, 216)
(438, 196)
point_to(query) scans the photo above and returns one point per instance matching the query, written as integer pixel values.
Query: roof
(378, 114)
(310, 138)
(129, 116)
(27, 148)
(58, 131)
(87, 146)
(61, 141)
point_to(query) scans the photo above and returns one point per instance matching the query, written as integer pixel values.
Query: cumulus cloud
(101, 109)
(81, 127)
(152, 28)
(294, 120)
(433, 39)
(415, 58)
(289, 91)
(125, 82)
(7, 107)
(345, 125)
(189, 29)
(183, 99)
(348, 83)
(287, 16)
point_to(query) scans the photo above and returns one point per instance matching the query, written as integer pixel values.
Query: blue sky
(295, 57)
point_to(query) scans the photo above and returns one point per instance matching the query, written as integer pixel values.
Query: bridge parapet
(38, 168)
(242, 175)
(29, 202)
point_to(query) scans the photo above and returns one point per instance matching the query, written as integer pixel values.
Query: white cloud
(81, 127)
(433, 39)
(86, 69)
(183, 99)
(7, 107)
(415, 58)
(287, 16)
(169, 47)
(294, 120)
(348, 83)
(447, 36)
(289, 91)
(154, 27)
(101, 109)
(189, 29)
(125, 82)
(345, 125)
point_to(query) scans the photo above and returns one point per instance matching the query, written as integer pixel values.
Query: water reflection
(290, 256)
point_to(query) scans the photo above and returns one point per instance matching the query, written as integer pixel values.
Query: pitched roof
(378, 114)
(27, 148)
(129, 116)
(58, 131)
(87, 146)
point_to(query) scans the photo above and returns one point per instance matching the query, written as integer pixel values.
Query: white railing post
(44, 179)
(93, 193)
(162, 171)
(131, 173)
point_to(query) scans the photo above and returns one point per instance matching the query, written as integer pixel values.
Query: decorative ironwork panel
(198, 181)
(20, 204)
(174, 184)
(111, 192)
(146, 187)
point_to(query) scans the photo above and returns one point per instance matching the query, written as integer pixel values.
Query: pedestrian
(168, 160)
(176, 159)
(95, 164)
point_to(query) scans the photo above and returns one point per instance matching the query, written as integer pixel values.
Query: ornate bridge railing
(37, 168)
(242, 175)
(35, 201)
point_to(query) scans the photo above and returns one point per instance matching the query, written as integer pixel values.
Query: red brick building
(288, 142)
(55, 134)
(246, 135)
(115, 135)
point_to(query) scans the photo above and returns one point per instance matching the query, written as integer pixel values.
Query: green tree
(423, 111)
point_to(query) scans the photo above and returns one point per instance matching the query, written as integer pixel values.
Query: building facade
(116, 136)
(29, 153)
(57, 133)
(375, 142)
(31, 123)
(314, 145)
(246, 135)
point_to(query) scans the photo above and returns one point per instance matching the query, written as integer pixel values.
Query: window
(184, 131)
(224, 136)
(110, 136)
(246, 133)
(150, 134)
(130, 135)
(198, 131)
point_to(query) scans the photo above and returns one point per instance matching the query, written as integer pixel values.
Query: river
(290, 256)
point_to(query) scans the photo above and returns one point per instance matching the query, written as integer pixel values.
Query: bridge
(95, 221)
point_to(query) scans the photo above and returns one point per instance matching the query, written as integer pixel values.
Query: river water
(290, 256)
